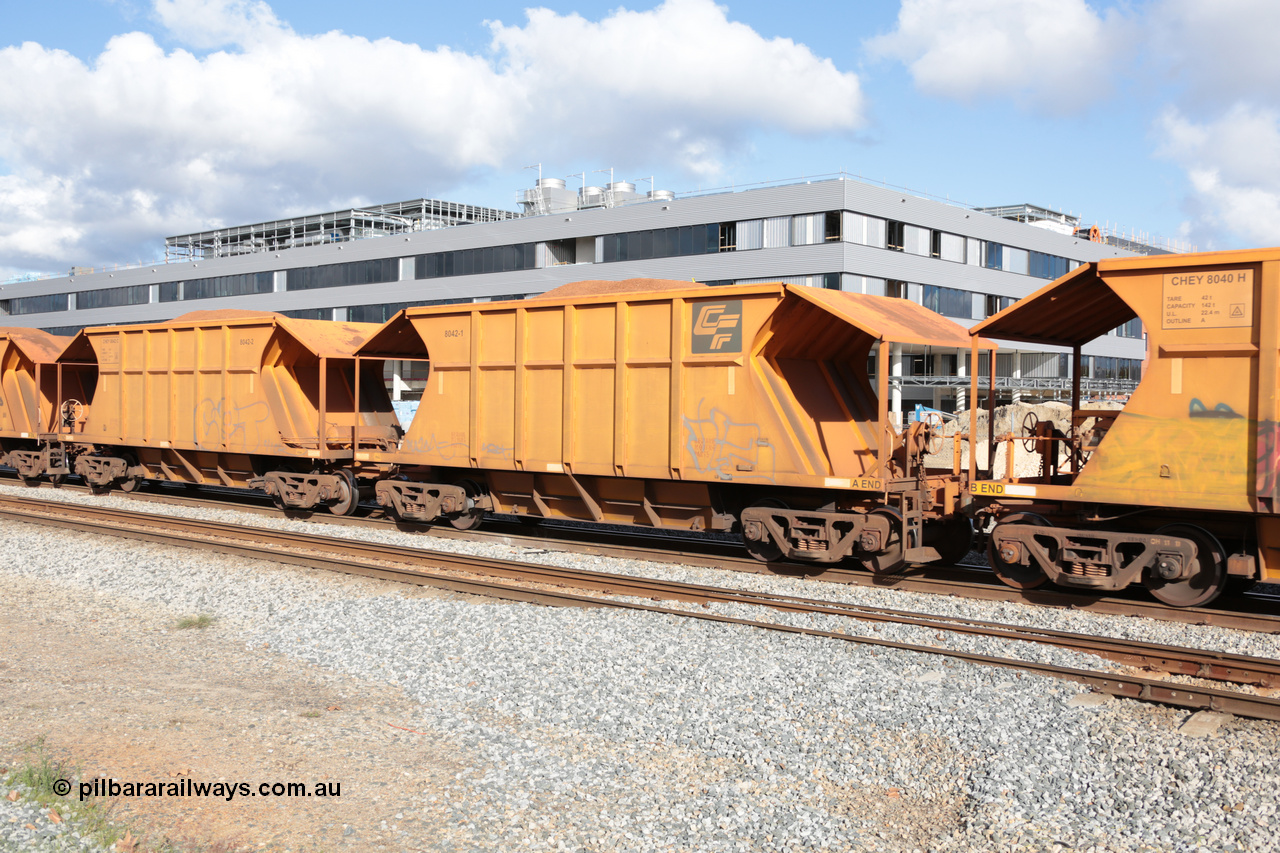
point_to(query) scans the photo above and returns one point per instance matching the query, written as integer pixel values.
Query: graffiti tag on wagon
(432, 446)
(728, 449)
(238, 426)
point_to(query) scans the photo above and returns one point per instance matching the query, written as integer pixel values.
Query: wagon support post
(356, 410)
(974, 354)
(883, 350)
(1076, 362)
(324, 406)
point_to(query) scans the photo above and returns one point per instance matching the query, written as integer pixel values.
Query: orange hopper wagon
(234, 398)
(680, 406)
(1180, 489)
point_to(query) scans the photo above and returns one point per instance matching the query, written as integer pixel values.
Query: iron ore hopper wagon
(1179, 490)
(29, 394)
(678, 406)
(231, 398)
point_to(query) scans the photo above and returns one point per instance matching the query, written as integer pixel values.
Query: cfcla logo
(718, 327)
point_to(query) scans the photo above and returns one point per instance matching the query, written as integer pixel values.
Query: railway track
(1253, 612)
(537, 583)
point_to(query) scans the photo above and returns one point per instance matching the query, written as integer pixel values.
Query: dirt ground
(122, 694)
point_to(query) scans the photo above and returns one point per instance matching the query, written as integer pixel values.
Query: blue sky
(123, 121)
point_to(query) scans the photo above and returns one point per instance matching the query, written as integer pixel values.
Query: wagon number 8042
(453, 333)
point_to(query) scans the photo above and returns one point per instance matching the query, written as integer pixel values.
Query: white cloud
(214, 23)
(1052, 55)
(1220, 51)
(1233, 167)
(141, 142)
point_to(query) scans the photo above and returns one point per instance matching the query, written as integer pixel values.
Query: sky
(126, 121)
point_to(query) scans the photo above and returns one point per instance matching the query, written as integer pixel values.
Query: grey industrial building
(365, 264)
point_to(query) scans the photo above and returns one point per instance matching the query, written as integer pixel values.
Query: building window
(992, 255)
(309, 313)
(522, 256)
(894, 235)
(1105, 367)
(728, 236)
(1131, 329)
(1048, 266)
(223, 285)
(38, 304)
(562, 252)
(112, 297)
(996, 304)
(895, 289)
(1015, 260)
(950, 247)
(831, 281)
(948, 301)
(832, 229)
(916, 240)
(668, 242)
(384, 312)
(342, 275)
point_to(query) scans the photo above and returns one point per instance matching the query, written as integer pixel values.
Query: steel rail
(1256, 613)
(335, 554)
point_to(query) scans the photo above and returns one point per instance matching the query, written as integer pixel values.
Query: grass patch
(310, 715)
(204, 620)
(36, 775)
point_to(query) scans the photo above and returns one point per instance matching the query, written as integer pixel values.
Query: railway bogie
(1179, 491)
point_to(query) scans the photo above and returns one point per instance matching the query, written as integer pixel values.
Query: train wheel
(348, 495)
(131, 484)
(29, 482)
(891, 558)
(1012, 573)
(1208, 575)
(468, 519)
(952, 537)
(765, 551)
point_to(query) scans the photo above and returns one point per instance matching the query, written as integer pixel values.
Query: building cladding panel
(773, 207)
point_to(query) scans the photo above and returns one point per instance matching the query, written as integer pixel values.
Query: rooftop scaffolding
(355, 223)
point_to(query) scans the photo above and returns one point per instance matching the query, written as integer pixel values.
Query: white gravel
(613, 730)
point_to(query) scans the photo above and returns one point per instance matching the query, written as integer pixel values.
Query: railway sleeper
(1094, 559)
(426, 502)
(818, 536)
(304, 491)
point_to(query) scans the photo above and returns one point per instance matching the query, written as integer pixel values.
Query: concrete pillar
(397, 380)
(895, 399)
(962, 388)
(1017, 377)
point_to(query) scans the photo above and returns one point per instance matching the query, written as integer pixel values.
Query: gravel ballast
(616, 730)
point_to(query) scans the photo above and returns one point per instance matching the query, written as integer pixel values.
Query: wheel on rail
(348, 494)
(132, 482)
(1208, 575)
(1011, 573)
(891, 559)
(29, 482)
(766, 551)
(468, 519)
(952, 537)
